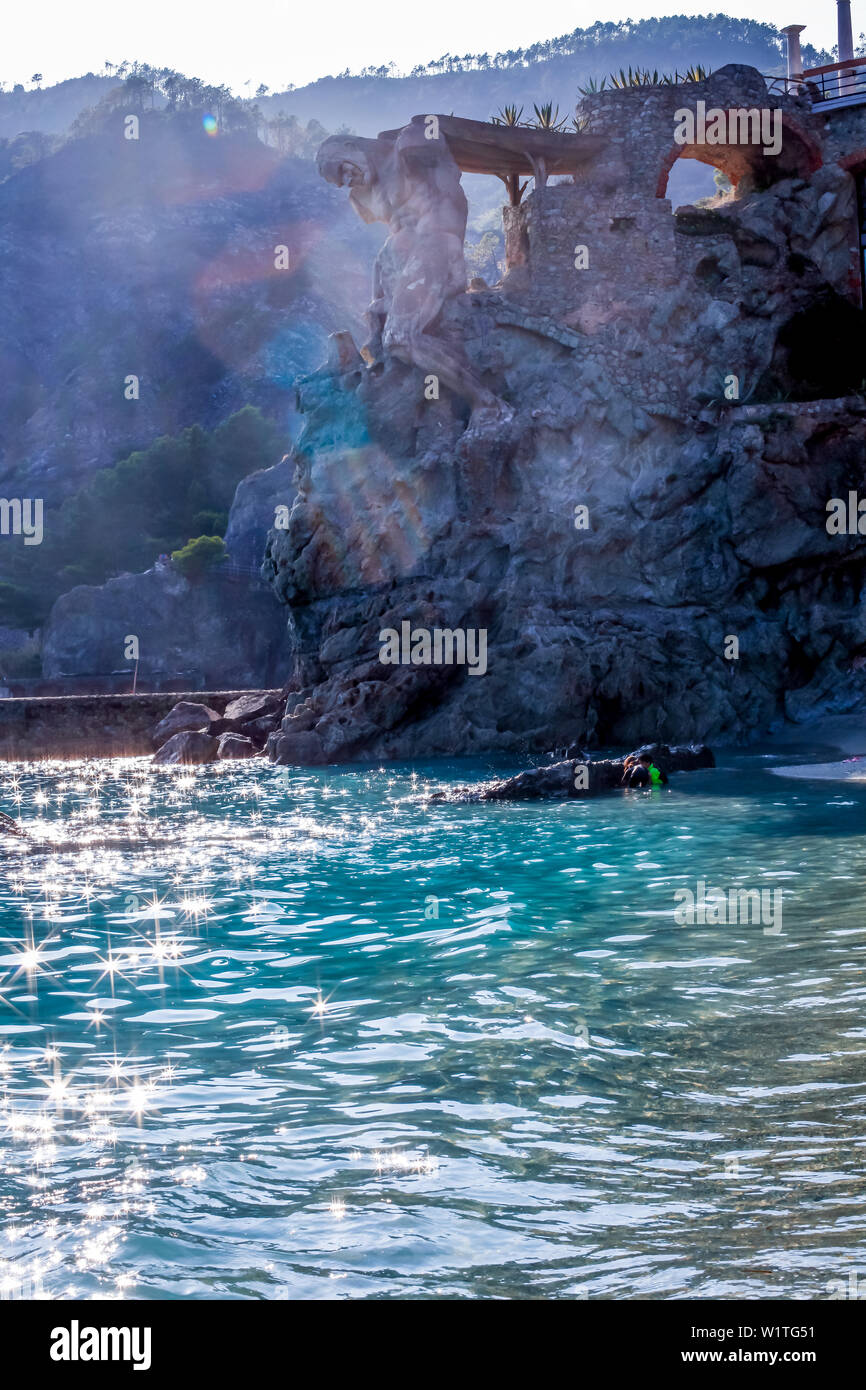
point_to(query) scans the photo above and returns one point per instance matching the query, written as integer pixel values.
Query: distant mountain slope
(156, 258)
(472, 85)
(50, 109)
(479, 85)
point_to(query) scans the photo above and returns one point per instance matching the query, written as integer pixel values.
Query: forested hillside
(141, 290)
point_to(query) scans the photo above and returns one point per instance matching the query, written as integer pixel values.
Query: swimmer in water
(643, 773)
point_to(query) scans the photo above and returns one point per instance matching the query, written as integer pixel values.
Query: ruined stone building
(618, 461)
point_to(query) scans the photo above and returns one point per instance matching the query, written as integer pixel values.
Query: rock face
(253, 512)
(173, 241)
(226, 631)
(645, 543)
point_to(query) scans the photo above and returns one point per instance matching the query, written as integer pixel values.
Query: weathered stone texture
(706, 514)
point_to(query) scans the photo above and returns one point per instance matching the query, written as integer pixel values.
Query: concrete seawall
(95, 726)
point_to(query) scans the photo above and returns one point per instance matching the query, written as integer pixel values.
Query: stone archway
(798, 157)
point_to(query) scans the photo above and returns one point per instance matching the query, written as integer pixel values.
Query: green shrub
(198, 556)
(210, 523)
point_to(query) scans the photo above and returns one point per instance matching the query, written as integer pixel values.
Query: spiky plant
(643, 77)
(636, 77)
(509, 115)
(547, 117)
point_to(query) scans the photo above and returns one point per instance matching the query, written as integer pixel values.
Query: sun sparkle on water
(238, 1055)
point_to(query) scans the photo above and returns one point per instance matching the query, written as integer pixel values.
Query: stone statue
(412, 183)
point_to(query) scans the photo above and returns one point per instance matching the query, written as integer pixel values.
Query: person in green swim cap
(644, 773)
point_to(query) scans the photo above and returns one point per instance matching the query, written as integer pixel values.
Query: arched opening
(747, 164)
(691, 182)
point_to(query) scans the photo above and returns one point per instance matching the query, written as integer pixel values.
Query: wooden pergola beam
(480, 147)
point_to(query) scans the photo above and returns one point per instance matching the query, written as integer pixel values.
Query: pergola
(512, 152)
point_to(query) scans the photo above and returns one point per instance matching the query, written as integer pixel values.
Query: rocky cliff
(643, 535)
(224, 630)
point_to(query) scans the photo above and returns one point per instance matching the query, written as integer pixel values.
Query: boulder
(185, 715)
(259, 729)
(253, 706)
(236, 746)
(303, 749)
(191, 746)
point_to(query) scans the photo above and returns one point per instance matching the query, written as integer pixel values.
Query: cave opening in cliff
(820, 353)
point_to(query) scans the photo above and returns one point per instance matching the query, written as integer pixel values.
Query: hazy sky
(279, 42)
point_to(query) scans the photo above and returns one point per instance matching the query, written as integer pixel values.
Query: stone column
(795, 59)
(516, 239)
(845, 37)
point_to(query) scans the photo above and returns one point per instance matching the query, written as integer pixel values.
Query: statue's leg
(434, 357)
(375, 317)
(432, 274)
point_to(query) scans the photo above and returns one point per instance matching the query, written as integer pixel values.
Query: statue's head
(351, 161)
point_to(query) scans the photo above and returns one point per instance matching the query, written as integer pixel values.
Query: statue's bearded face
(349, 165)
(344, 163)
(351, 175)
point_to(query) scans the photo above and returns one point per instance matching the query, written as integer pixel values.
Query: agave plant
(636, 77)
(580, 123)
(592, 87)
(509, 115)
(547, 117)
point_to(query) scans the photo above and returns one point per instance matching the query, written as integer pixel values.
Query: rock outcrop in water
(573, 777)
(644, 543)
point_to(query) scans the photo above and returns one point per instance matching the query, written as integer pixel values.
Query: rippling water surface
(272, 1033)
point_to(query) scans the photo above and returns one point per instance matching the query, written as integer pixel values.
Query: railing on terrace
(835, 84)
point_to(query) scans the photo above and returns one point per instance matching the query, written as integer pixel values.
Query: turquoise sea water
(272, 1033)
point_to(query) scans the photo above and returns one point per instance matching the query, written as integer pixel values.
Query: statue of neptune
(412, 183)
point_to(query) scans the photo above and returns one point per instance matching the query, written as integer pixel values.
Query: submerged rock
(10, 827)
